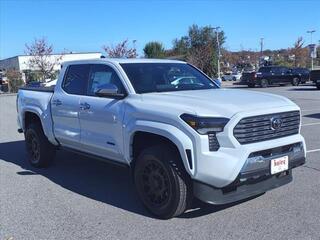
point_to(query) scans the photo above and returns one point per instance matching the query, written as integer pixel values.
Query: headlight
(205, 125)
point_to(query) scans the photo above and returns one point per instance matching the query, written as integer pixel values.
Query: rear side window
(76, 79)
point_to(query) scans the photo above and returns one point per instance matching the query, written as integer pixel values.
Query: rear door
(65, 105)
(101, 118)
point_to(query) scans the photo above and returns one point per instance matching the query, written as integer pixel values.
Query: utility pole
(261, 46)
(311, 32)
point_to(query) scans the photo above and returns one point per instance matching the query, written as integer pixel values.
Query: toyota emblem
(276, 123)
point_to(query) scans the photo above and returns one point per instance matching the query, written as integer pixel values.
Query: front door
(101, 118)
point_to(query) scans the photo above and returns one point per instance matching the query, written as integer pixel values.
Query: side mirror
(109, 91)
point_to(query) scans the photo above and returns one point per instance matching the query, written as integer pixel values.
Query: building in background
(21, 63)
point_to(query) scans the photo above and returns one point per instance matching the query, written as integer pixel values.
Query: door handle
(57, 102)
(84, 106)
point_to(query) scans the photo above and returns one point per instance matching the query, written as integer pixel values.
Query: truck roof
(123, 60)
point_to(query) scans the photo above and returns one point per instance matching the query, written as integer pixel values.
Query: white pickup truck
(180, 138)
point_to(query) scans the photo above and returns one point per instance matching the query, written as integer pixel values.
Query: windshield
(164, 77)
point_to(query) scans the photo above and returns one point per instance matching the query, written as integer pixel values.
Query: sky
(85, 26)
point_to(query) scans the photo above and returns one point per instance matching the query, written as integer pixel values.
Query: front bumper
(217, 196)
(255, 177)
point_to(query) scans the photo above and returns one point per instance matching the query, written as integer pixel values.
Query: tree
(121, 50)
(200, 47)
(181, 46)
(154, 50)
(14, 80)
(299, 53)
(42, 59)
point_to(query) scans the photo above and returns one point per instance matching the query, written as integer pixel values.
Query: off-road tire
(295, 81)
(161, 181)
(40, 151)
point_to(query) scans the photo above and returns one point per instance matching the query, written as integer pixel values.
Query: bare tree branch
(121, 50)
(42, 59)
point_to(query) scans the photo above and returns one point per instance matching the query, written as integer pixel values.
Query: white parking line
(314, 150)
(310, 124)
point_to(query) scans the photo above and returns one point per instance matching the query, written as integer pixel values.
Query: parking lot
(81, 198)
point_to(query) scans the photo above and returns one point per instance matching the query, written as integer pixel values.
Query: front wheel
(264, 83)
(295, 81)
(161, 181)
(40, 151)
(318, 86)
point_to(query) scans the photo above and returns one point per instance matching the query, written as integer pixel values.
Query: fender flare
(175, 135)
(47, 128)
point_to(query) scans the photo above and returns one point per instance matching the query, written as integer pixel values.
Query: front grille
(259, 128)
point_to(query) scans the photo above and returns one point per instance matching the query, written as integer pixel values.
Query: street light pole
(311, 32)
(218, 45)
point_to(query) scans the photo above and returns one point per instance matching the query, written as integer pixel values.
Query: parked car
(315, 77)
(248, 77)
(236, 76)
(3, 82)
(303, 73)
(271, 75)
(179, 140)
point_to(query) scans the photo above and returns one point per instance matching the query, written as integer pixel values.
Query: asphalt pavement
(81, 198)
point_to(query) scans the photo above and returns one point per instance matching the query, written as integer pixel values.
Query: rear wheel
(161, 181)
(318, 86)
(234, 79)
(264, 83)
(295, 81)
(40, 151)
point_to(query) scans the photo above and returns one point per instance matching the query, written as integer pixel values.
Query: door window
(102, 75)
(76, 79)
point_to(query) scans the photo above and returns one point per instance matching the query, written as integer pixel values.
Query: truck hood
(215, 102)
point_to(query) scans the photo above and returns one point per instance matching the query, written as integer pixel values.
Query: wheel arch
(32, 115)
(146, 134)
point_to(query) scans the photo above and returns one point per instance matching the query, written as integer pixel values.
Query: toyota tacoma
(181, 139)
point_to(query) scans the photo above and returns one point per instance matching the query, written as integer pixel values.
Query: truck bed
(36, 100)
